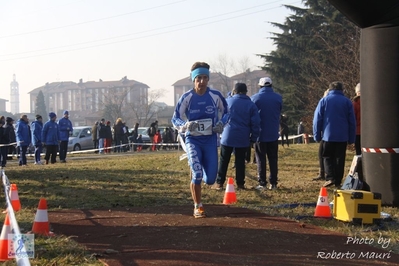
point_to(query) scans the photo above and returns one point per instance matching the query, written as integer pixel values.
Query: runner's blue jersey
(211, 105)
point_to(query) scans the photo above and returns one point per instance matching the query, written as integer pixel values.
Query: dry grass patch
(160, 178)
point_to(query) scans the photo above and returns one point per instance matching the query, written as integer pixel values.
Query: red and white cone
(41, 224)
(322, 207)
(4, 239)
(16, 204)
(230, 194)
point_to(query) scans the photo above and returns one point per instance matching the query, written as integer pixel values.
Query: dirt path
(229, 236)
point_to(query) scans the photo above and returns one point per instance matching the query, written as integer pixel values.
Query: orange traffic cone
(41, 224)
(16, 204)
(4, 239)
(230, 194)
(323, 207)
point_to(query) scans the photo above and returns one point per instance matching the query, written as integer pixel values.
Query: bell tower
(14, 96)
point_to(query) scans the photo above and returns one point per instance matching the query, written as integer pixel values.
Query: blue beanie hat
(52, 115)
(66, 112)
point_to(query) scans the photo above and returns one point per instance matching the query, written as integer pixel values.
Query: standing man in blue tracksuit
(269, 105)
(51, 138)
(23, 134)
(37, 127)
(242, 128)
(65, 127)
(201, 107)
(334, 122)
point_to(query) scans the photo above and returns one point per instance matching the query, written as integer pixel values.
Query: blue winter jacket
(51, 133)
(22, 132)
(334, 119)
(36, 128)
(269, 105)
(244, 123)
(65, 126)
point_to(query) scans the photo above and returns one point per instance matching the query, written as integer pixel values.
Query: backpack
(352, 182)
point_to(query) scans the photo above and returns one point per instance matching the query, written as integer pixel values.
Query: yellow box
(357, 206)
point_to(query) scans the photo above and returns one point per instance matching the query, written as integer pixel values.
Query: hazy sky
(151, 41)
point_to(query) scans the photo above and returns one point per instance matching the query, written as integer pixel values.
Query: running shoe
(199, 212)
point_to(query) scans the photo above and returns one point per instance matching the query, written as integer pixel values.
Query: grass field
(92, 181)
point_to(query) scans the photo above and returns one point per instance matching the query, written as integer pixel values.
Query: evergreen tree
(317, 45)
(40, 108)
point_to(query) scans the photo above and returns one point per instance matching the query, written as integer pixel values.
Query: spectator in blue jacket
(51, 138)
(23, 134)
(269, 104)
(36, 128)
(334, 123)
(242, 128)
(65, 127)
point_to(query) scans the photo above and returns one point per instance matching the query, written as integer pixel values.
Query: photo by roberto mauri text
(382, 242)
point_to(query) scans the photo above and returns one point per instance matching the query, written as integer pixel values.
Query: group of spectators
(107, 138)
(118, 137)
(168, 136)
(53, 135)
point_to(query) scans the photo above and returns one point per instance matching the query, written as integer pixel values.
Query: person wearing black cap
(51, 138)
(36, 128)
(242, 128)
(65, 127)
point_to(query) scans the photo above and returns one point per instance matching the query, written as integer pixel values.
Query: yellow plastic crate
(357, 206)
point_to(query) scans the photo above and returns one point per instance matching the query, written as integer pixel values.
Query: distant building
(14, 96)
(85, 101)
(3, 105)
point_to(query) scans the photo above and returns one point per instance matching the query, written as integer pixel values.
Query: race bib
(204, 128)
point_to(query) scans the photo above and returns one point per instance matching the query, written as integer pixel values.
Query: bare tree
(224, 67)
(344, 66)
(227, 67)
(243, 65)
(113, 102)
(144, 111)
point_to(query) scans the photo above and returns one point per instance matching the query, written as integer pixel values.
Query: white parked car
(80, 139)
